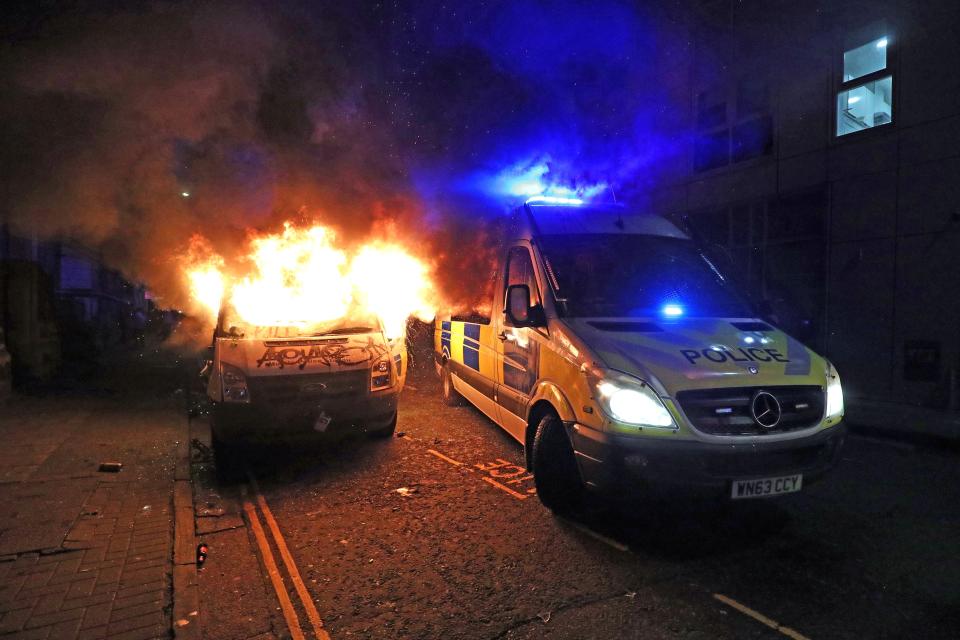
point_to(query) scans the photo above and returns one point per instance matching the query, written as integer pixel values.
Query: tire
(451, 397)
(555, 472)
(387, 431)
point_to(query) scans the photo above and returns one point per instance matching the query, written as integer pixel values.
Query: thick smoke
(130, 127)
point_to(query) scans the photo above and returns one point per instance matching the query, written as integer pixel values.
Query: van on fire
(269, 382)
(622, 359)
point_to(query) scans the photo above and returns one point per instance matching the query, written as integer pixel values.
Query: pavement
(86, 553)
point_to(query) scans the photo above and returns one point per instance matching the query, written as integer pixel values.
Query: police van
(304, 380)
(623, 359)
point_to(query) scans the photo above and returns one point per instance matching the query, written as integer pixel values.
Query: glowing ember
(300, 278)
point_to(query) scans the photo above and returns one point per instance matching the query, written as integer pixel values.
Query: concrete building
(60, 304)
(823, 151)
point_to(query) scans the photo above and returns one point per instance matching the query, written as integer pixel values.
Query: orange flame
(301, 278)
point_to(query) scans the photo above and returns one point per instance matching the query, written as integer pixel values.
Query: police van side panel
(512, 373)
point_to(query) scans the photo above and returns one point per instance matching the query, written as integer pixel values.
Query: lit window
(865, 106)
(865, 60)
(865, 96)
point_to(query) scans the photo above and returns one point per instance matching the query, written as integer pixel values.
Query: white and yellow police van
(622, 359)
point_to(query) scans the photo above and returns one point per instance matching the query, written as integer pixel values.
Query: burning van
(303, 379)
(310, 335)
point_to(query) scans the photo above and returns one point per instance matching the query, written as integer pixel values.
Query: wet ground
(437, 533)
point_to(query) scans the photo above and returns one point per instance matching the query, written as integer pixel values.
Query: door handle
(502, 336)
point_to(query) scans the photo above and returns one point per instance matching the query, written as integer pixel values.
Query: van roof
(546, 219)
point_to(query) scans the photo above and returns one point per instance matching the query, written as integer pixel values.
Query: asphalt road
(437, 533)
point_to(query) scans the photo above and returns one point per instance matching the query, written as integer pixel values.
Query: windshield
(232, 325)
(620, 275)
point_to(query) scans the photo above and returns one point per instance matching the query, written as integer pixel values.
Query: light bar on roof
(554, 200)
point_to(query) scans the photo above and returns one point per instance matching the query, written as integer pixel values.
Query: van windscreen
(630, 276)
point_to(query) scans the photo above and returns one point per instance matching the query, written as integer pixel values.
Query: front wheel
(555, 470)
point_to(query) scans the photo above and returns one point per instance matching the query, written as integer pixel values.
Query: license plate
(762, 487)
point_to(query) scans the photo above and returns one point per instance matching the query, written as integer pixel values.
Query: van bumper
(266, 423)
(656, 466)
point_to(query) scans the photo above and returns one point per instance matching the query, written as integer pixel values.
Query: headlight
(234, 384)
(834, 393)
(380, 377)
(631, 401)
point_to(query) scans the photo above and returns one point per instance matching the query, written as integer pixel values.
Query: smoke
(132, 127)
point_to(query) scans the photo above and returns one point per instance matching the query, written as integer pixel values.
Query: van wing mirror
(518, 305)
(519, 311)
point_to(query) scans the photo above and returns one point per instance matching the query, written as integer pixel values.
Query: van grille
(283, 390)
(726, 412)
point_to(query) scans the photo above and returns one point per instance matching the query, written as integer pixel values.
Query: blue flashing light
(672, 310)
(554, 200)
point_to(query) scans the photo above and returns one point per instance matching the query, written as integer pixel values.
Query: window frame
(855, 40)
(536, 296)
(729, 89)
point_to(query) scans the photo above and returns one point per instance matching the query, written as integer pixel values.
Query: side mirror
(518, 305)
(518, 309)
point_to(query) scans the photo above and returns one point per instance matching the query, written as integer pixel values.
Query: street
(430, 320)
(438, 533)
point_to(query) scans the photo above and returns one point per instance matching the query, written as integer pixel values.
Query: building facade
(823, 154)
(59, 305)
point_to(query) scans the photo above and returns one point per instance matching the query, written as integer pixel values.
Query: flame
(205, 275)
(301, 278)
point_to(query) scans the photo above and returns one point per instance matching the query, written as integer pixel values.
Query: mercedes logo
(765, 409)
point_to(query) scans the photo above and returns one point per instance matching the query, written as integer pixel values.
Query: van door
(518, 352)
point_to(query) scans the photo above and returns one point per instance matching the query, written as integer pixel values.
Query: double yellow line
(276, 578)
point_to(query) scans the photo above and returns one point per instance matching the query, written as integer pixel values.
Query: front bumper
(660, 466)
(265, 422)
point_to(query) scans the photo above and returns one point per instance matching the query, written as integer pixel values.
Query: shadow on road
(688, 530)
(288, 463)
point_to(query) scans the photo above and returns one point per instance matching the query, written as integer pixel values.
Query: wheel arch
(547, 398)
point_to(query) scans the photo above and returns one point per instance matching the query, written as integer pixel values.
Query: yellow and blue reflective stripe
(471, 346)
(445, 338)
